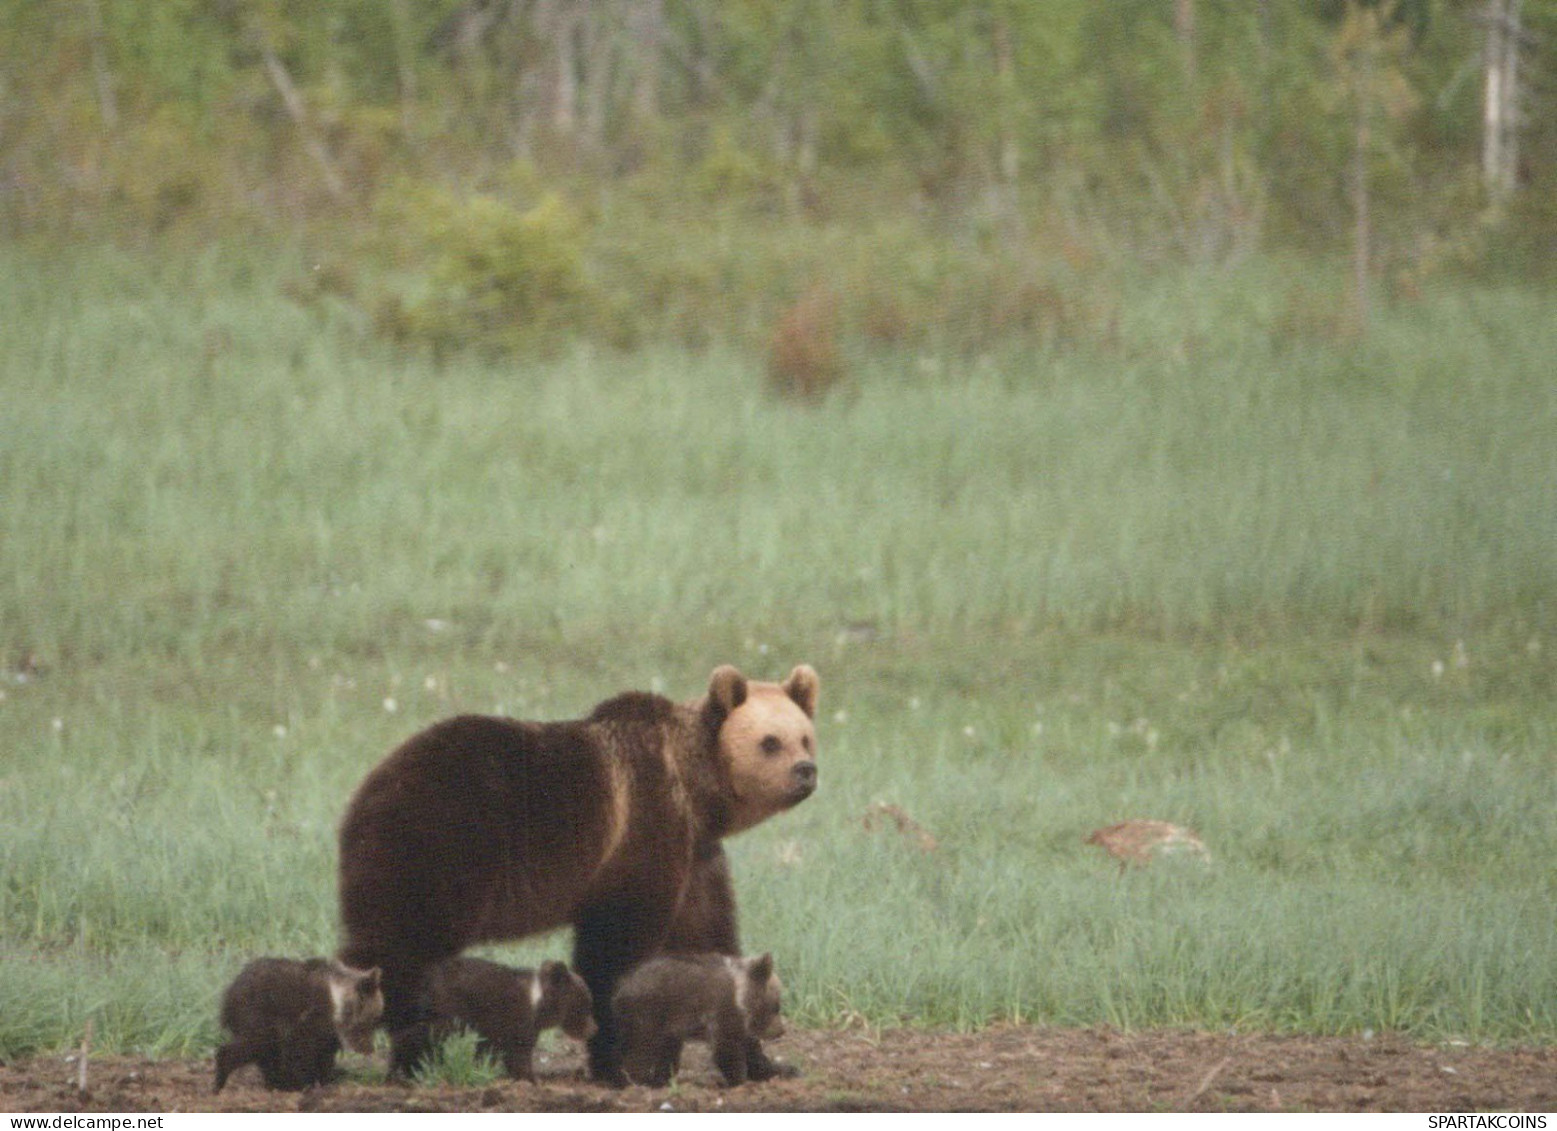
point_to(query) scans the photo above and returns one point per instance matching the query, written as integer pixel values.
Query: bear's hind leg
(323, 1070)
(279, 1075)
(669, 1063)
(650, 1063)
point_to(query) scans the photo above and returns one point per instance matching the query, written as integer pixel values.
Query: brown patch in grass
(883, 811)
(804, 360)
(1138, 842)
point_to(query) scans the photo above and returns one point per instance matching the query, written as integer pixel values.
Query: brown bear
(292, 1016)
(662, 1003)
(482, 828)
(506, 1007)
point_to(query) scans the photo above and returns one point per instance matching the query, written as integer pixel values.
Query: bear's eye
(771, 744)
(805, 743)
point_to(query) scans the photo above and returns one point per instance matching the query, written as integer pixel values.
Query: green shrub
(503, 280)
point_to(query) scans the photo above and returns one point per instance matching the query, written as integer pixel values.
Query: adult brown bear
(482, 828)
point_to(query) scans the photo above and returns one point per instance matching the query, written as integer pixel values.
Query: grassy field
(1297, 591)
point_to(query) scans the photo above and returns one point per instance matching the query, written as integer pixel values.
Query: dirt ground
(1004, 1068)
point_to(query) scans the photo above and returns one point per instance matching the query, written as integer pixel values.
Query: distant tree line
(1409, 132)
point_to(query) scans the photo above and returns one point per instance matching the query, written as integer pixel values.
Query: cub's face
(357, 1003)
(760, 997)
(567, 998)
(767, 741)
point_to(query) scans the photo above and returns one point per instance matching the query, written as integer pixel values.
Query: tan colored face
(769, 1025)
(357, 1002)
(768, 743)
(571, 1001)
(759, 995)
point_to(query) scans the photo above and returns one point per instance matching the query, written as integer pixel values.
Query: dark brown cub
(728, 1002)
(290, 1017)
(506, 1007)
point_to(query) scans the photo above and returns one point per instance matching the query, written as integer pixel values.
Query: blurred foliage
(948, 169)
(501, 278)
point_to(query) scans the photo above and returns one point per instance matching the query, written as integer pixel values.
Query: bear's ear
(727, 688)
(761, 969)
(368, 985)
(554, 973)
(803, 686)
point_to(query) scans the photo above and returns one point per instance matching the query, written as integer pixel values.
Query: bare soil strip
(1003, 1068)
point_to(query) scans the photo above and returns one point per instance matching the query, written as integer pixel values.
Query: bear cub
(506, 1007)
(716, 998)
(292, 1016)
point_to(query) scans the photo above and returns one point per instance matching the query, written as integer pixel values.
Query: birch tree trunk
(1500, 102)
(1008, 156)
(646, 33)
(405, 67)
(1362, 232)
(564, 31)
(107, 100)
(1184, 30)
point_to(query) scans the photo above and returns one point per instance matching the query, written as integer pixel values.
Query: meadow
(1293, 589)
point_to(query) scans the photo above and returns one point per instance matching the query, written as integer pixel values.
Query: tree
(1500, 101)
(1367, 52)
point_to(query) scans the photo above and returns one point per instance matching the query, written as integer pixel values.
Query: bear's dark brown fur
(728, 1002)
(506, 1007)
(291, 1017)
(483, 828)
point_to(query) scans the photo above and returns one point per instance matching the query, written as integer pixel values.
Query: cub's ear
(803, 686)
(369, 982)
(726, 688)
(761, 969)
(554, 973)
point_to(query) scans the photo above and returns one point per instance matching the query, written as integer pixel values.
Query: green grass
(1296, 593)
(456, 1062)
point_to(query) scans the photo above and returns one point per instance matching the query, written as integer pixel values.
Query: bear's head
(561, 998)
(759, 996)
(356, 1004)
(766, 741)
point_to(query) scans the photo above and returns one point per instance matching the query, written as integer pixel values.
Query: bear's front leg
(608, 940)
(727, 1040)
(518, 1058)
(760, 1066)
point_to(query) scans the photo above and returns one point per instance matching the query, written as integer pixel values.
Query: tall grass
(1295, 592)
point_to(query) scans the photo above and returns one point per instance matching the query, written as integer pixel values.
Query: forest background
(492, 173)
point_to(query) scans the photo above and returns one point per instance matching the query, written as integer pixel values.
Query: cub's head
(757, 995)
(766, 740)
(561, 998)
(356, 1004)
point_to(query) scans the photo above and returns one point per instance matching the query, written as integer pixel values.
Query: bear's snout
(803, 774)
